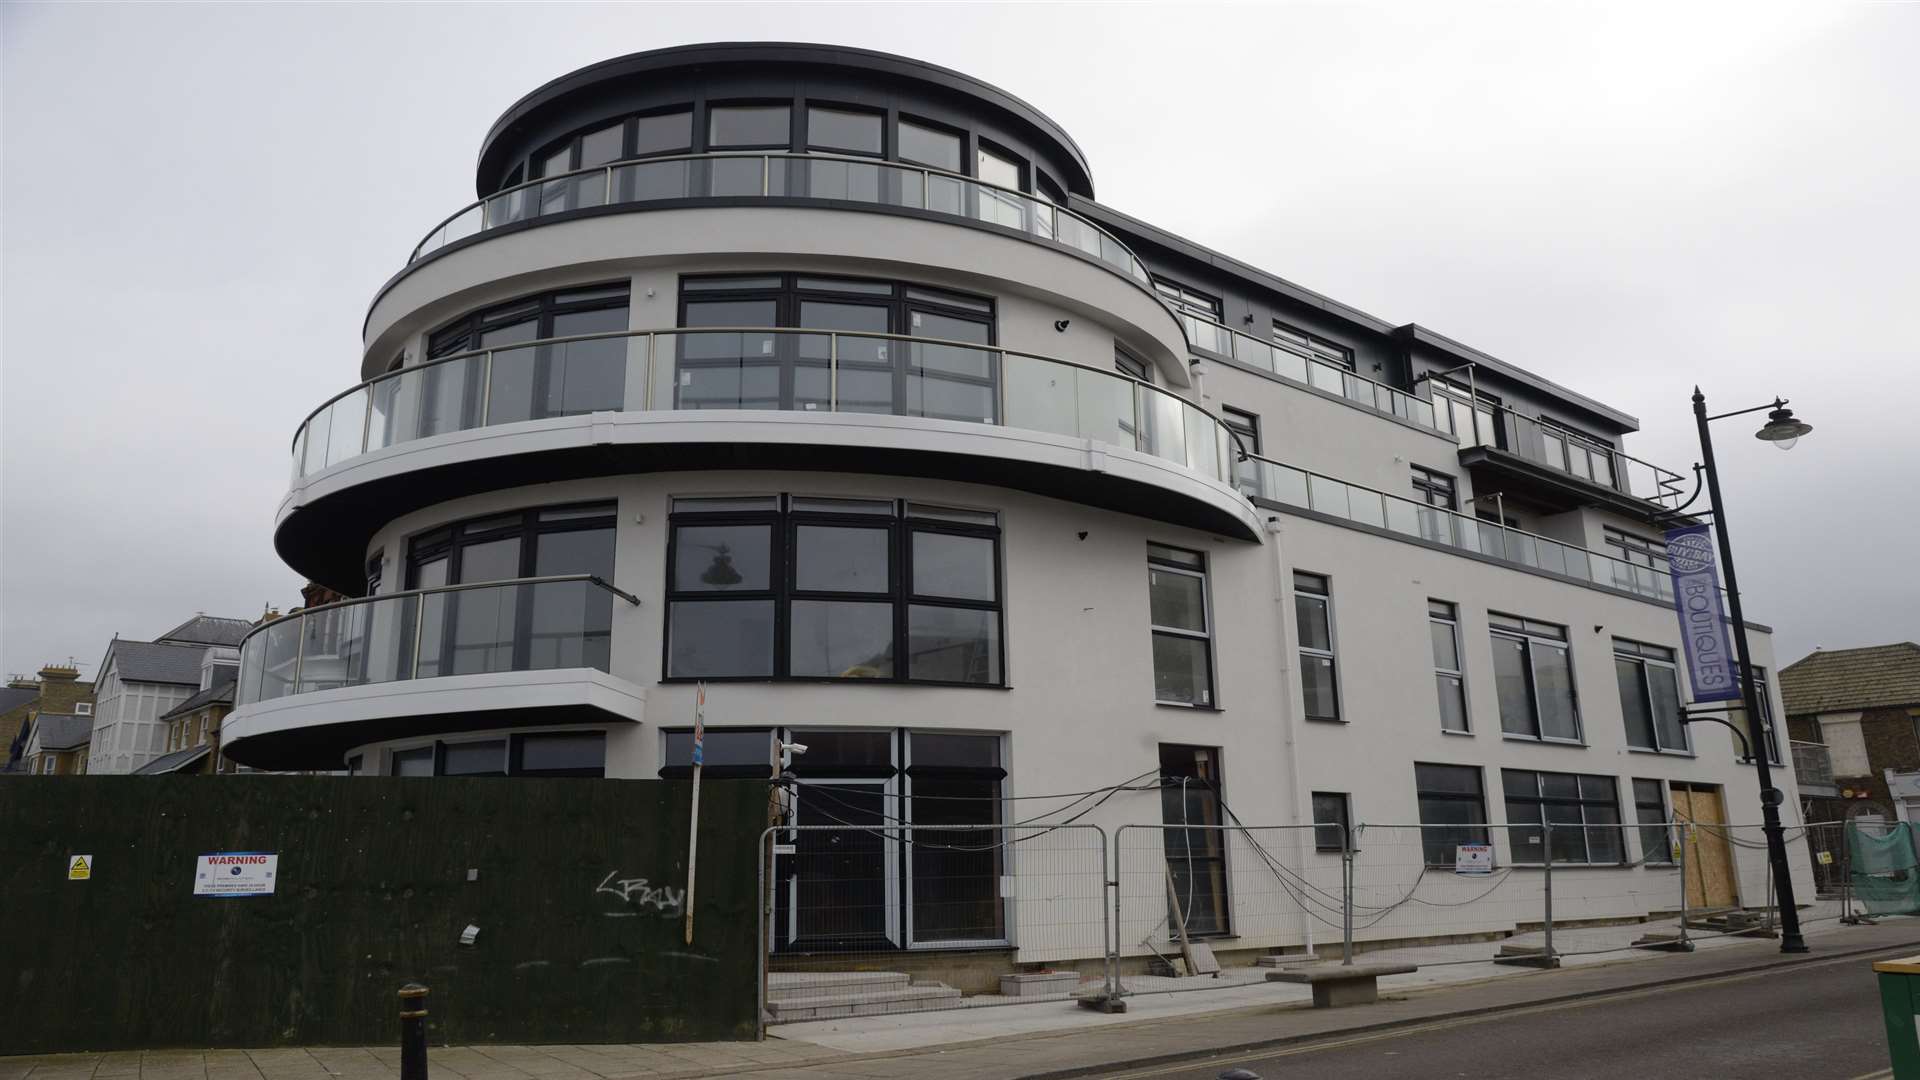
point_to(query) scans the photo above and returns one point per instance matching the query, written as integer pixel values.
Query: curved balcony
(745, 176)
(427, 661)
(605, 404)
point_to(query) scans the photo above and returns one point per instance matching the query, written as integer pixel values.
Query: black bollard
(413, 1032)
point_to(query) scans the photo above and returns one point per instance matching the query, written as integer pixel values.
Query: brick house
(55, 703)
(1860, 710)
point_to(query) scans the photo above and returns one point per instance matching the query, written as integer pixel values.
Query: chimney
(58, 673)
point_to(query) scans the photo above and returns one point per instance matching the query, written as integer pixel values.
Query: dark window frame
(1477, 832)
(1447, 613)
(1321, 593)
(1643, 656)
(1188, 300)
(1210, 695)
(1768, 730)
(545, 307)
(1435, 488)
(964, 138)
(1532, 633)
(1580, 799)
(1636, 549)
(805, 134)
(1207, 783)
(1344, 820)
(629, 143)
(902, 302)
(1660, 824)
(792, 105)
(783, 523)
(1288, 336)
(512, 750)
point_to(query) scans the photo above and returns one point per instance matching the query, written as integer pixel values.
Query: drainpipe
(1288, 727)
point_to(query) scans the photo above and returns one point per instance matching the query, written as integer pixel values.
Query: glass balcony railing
(1261, 478)
(1561, 449)
(762, 369)
(1291, 363)
(533, 624)
(805, 176)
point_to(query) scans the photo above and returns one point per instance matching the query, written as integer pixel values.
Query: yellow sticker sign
(1825, 857)
(79, 867)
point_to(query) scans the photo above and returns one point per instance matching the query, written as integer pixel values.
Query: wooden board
(1710, 873)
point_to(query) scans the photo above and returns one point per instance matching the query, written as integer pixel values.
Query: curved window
(749, 127)
(569, 378)
(926, 145)
(846, 131)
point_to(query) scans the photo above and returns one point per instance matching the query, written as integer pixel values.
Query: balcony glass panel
(1043, 396)
(1327, 496)
(512, 626)
(1109, 408)
(319, 431)
(1324, 377)
(1166, 430)
(345, 427)
(1202, 442)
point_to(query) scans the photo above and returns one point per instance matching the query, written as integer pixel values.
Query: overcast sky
(198, 202)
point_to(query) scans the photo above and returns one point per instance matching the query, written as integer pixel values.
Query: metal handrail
(402, 594)
(1505, 529)
(1307, 356)
(678, 332)
(1137, 267)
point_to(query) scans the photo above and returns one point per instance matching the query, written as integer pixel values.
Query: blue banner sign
(1703, 624)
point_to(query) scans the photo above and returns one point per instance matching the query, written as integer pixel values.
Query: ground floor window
(1583, 810)
(1650, 809)
(895, 838)
(1453, 810)
(546, 753)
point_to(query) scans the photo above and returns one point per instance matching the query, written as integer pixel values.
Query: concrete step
(871, 1003)
(1282, 960)
(791, 985)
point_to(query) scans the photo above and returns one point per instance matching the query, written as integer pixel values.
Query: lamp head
(1782, 430)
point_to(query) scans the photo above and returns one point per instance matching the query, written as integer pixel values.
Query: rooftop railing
(782, 175)
(1260, 477)
(759, 368)
(530, 624)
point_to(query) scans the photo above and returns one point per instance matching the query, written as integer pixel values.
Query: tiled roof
(147, 661)
(208, 630)
(220, 693)
(173, 762)
(60, 731)
(1845, 680)
(12, 697)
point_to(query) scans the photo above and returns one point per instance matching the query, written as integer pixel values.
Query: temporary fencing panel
(1885, 874)
(1417, 887)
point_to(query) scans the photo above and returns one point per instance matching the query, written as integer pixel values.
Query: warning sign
(79, 867)
(1473, 859)
(236, 873)
(1825, 857)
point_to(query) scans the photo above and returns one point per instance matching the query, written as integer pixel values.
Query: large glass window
(845, 131)
(1533, 678)
(1638, 550)
(527, 383)
(736, 127)
(860, 371)
(530, 627)
(1246, 425)
(1313, 619)
(1469, 418)
(926, 145)
(1434, 488)
(1453, 810)
(1449, 676)
(953, 781)
(1650, 810)
(1195, 843)
(997, 169)
(855, 589)
(1182, 626)
(663, 133)
(1312, 346)
(1650, 697)
(1583, 810)
(1188, 300)
(563, 753)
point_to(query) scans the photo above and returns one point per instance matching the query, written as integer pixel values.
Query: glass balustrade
(1565, 451)
(1261, 478)
(770, 369)
(805, 176)
(530, 625)
(1279, 359)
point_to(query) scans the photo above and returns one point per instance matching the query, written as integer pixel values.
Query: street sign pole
(693, 819)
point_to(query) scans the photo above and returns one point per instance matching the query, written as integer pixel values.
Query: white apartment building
(140, 680)
(819, 376)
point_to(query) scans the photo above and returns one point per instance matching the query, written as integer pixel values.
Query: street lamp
(1782, 430)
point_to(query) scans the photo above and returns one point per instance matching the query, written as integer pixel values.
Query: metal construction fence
(859, 919)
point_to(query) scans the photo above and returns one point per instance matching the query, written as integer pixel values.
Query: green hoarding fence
(1886, 873)
(573, 890)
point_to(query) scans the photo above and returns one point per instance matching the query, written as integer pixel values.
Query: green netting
(1886, 874)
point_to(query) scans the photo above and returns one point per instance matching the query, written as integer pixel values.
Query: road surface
(1817, 1022)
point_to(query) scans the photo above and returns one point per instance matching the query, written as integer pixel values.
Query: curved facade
(817, 377)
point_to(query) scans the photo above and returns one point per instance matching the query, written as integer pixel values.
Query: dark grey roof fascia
(772, 52)
(1423, 336)
(1107, 215)
(173, 762)
(1414, 332)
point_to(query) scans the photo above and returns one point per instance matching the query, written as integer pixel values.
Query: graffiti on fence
(665, 900)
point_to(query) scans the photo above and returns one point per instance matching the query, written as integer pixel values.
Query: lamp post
(1783, 431)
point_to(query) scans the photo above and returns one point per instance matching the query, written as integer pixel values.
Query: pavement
(1056, 1040)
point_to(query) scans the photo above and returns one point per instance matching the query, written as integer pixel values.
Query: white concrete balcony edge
(880, 433)
(482, 696)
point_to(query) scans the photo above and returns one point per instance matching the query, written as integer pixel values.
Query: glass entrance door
(842, 882)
